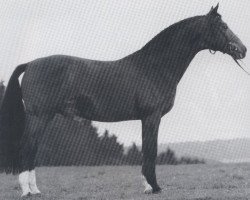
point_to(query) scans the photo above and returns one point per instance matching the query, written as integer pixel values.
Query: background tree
(168, 157)
(187, 160)
(109, 150)
(134, 156)
(76, 142)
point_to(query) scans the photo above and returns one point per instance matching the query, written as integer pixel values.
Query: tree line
(168, 157)
(69, 142)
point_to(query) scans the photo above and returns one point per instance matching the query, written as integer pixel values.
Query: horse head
(219, 37)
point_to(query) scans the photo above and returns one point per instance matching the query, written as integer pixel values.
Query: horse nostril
(233, 47)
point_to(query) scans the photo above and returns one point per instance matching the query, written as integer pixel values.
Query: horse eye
(225, 26)
(218, 17)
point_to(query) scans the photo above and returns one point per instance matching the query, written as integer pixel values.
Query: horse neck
(170, 53)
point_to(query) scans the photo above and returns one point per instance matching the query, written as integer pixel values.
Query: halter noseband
(225, 46)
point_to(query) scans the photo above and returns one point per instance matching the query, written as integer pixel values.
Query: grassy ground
(198, 182)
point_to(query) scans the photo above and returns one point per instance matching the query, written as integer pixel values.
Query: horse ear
(216, 8)
(213, 10)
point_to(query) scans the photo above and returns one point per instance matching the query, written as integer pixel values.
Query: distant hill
(235, 150)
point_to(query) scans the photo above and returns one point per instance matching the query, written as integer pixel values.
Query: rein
(241, 66)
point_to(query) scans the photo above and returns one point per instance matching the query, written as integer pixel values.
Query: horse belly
(110, 107)
(106, 100)
(115, 111)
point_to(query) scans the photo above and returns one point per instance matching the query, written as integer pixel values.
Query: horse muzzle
(236, 50)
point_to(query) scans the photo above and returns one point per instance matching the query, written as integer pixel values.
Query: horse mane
(177, 29)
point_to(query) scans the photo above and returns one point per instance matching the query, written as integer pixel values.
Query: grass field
(199, 182)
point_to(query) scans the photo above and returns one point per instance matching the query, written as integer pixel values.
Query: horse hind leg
(34, 127)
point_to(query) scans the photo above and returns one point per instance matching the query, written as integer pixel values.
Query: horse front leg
(150, 127)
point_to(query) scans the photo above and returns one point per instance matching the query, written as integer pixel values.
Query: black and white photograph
(124, 100)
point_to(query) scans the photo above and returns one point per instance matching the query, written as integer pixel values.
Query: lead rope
(240, 65)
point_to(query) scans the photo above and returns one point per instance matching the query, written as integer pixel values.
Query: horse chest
(169, 101)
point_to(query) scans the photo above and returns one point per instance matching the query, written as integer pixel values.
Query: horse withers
(140, 86)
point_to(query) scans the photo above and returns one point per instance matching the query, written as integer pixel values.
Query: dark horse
(141, 86)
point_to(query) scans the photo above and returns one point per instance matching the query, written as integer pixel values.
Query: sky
(213, 97)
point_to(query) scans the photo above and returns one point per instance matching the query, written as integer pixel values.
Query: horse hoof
(25, 196)
(148, 191)
(37, 194)
(157, 190)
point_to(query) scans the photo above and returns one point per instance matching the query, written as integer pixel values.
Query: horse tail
(12, 124)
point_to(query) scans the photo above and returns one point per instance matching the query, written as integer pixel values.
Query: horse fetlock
(150, 184)
(156, 189)
(148, 189)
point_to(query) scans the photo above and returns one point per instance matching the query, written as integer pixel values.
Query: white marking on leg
(32, 183)
(24, 183)
(148, 188)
